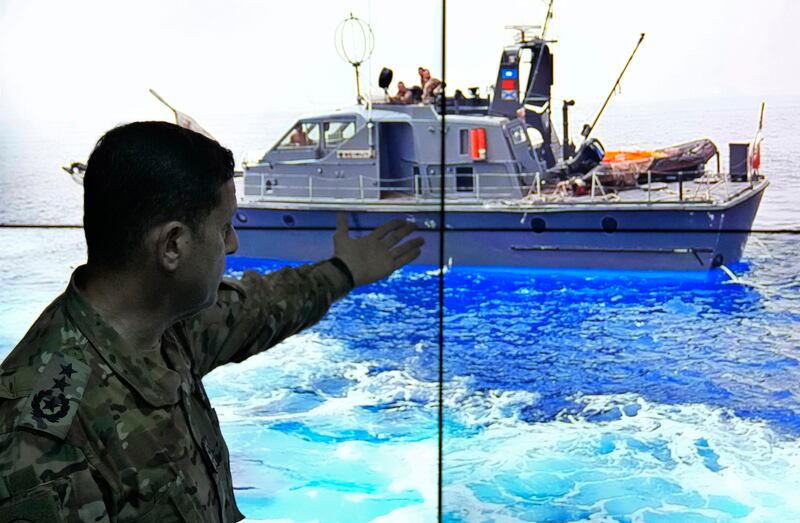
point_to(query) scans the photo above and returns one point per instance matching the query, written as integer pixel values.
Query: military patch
(56, 395)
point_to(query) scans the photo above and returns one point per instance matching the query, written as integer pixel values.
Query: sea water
(569, 395)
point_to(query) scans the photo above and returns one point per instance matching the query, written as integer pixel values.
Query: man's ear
(171, 242)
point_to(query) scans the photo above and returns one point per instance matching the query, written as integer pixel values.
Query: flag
(187, 122)
(755, 155)
(183, 119)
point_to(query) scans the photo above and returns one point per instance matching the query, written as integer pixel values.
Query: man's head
(154, 196)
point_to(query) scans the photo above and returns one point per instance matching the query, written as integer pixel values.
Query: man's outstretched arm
(259, 311)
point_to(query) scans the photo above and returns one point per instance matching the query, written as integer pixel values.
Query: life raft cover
(627, 168)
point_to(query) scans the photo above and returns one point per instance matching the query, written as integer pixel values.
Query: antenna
(547, 17)
(587, 129)
(524, 32)
(354, 44)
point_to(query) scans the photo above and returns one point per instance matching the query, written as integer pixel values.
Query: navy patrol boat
(514, 194)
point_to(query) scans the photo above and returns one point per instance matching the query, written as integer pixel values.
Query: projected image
(554, 269)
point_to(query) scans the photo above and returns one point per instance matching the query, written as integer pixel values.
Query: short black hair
(145, 173)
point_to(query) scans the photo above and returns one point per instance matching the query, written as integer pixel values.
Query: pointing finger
(407, 257)
(403, 249)
(396, 236)
(387, 227)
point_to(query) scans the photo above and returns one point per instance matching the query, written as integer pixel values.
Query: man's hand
(378, 254)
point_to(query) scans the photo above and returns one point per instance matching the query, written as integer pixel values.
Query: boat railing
(710, 187)
(313, 187)
(597, 186)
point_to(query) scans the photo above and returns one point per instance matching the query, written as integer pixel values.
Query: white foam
(747, 462)
(660, 441)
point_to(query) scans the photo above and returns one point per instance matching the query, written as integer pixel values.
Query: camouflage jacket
(91, 430)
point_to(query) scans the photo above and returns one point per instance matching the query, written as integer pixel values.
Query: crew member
(431, 87)
(299, 137)
(403, 96)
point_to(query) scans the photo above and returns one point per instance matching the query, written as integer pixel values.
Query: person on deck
(431, 87)
(103, 413)
(403, 96)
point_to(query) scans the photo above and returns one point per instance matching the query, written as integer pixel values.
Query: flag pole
(163, 101)
(183, 119)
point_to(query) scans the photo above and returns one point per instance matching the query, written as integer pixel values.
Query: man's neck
(129, 304)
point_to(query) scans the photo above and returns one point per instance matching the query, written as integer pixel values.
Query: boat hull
(686, 238)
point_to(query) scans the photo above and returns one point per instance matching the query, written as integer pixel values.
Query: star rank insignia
(56, 395)
(67, 370)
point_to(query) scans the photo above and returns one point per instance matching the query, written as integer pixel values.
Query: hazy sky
(97, 58)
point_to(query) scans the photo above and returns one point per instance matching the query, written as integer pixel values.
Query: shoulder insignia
(55, 398)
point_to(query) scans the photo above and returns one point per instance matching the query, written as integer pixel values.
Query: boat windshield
(302, 134)
(337, 132)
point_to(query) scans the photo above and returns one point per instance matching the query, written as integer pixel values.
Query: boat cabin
(394, 152)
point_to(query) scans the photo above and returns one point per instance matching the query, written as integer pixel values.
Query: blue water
(569, 396)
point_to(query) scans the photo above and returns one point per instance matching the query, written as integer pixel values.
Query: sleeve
(45, 480)
(259, 311)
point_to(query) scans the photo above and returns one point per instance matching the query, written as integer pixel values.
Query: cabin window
(301, 135)
(465, 179)
(338, 132)
(463, 142)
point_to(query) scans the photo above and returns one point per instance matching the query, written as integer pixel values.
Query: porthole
(609, 224)
(288, 220)
(538, 225)
(242, 217)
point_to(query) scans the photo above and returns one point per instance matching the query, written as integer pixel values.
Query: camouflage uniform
(91, 430)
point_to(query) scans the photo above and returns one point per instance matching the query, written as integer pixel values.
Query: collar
(156, 384)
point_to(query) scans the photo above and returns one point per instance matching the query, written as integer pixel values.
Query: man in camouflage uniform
(103, 414)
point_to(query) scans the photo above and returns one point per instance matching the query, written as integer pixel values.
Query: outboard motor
(586, 158)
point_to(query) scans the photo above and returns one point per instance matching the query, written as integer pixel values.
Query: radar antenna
(354, 44)
(525, 33)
